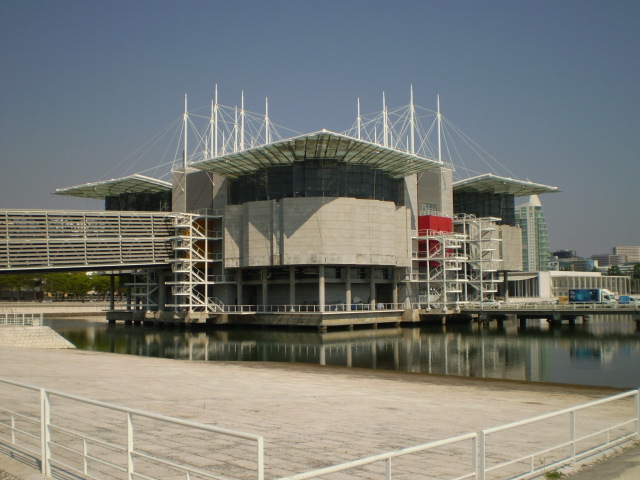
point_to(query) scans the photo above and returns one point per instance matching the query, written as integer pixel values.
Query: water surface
(603, 352)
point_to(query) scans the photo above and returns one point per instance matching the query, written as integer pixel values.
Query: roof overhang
(489, 183)
(116, 186)
(318, 145)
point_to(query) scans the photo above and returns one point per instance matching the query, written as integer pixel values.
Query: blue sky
(550, 88)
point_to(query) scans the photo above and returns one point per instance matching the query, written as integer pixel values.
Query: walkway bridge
(486, 311)
(49, 240)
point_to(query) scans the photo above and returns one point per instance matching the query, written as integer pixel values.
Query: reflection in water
(606, 351)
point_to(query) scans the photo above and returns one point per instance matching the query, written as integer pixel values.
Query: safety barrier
(519, 454)
(32, 319)
(102, 440)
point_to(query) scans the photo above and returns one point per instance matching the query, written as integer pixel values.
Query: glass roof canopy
(116, 186)
(489, 183)
(318, 145)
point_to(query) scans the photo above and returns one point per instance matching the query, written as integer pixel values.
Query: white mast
(242, 121)
(385, 118)
(215, 121)
(359, 121)
(412, 111)
(235, 131)
(439, 131)
(211, 125)
(184, 147)
(267, 127)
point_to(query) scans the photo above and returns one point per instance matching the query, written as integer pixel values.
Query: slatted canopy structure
(116, 186)
(319, 145)
(489, 183)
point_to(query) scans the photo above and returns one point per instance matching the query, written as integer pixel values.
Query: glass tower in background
(535, 237)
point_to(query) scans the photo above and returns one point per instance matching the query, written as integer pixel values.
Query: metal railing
(23, 319)
(468, 468)
(128, 444)
(561, 451)
(333, 307)
(567, 443)
(559, 307)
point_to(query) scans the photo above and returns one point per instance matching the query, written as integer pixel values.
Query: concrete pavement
(310, 416)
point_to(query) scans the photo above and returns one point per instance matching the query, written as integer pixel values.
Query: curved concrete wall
(316, 231)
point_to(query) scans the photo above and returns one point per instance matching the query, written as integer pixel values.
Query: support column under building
(347, 293)
(395, 287)
(265, 286)
(372, 287)
(112, 291)
(239, 287)
(321, 287)
(292, 286)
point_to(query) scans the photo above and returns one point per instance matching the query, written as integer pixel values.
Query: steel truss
(197, 264)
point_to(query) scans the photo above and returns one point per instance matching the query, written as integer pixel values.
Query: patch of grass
(554, 475)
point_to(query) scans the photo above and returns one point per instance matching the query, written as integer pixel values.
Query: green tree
(636, 271)
(79, 284)
(614, 271)
(101, 284)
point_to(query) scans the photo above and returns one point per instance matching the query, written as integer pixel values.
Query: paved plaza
(310, 416)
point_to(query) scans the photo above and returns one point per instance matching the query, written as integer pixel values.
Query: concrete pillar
(239, 287)
(372, 287)
(265, 287)
(347, 293)
(112, 292)
(162, 297)
(395, 287)
(321, 287)
(292, 286)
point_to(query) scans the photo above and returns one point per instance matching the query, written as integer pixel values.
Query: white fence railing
(465, 460)
(32, 319)
(104, 441)
(527, 449)
(71, 433)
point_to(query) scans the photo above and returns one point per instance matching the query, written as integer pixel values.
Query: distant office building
(535, 237)
(632, 253)
(565, 254)
(607, 260)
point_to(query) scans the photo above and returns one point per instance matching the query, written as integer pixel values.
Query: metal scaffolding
(483, 256)
(197, 264)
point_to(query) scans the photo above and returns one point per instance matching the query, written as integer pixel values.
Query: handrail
(48, 427)
(387, 456)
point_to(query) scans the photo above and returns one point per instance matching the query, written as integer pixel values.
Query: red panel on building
(436, 223)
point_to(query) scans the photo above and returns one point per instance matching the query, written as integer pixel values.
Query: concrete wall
(435, 187)
(315, 231)
(511, 247)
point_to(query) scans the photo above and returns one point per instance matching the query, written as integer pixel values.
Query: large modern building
(319, 222)
(535, 236)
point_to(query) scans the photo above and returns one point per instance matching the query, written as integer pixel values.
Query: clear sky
(550, 88)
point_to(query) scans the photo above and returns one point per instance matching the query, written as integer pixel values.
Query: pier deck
(309, 416)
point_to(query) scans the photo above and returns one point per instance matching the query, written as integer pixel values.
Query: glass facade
(481, 204)
(535, 237)
(315, 178)
(139, 202)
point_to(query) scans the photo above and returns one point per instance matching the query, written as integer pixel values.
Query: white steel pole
(185, 120)
(412, 112)
(359, 121)
(242, 121)
(211, 128)
(385, 120)
(267, 127)
(215, 117)
(439, 131)
(235, 130)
